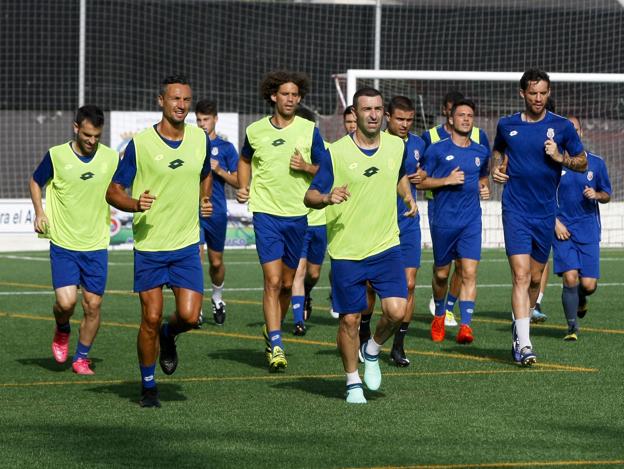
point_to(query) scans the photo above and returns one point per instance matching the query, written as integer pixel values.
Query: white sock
(353, 377)
(372, 347)
(522, 329)
(217, 292)
(539, 298)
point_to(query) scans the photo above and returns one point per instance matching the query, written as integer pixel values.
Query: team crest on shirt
(550, 133)
(416, 155)
(563, 171)
(449, 157)
(477, 161)
(159, 157)
(353, 165)
(214, 151)
(590, 175)
(513, 133)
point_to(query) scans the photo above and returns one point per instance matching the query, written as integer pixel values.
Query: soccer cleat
(168, 353)
(355, 394)
(582, 309)
(437, 328)
(537, 315)
(450, 319)
(515, 344)
(149, 397)
(300, 329)
(571, 335)
(372, 372)
(397, 354)
(200, 320)
(60, 346)
(278, 359)
(464, 336)
(527, 357)
(307, 308)
(218, 312)
(432, 306)
(82, 367)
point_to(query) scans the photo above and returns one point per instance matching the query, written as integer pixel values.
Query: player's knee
(66, 305)
(92, 307)
(570, 279)
(151, 320)
(440, 276)
(590, 286)
(522, 278)
(272, 283)
(286, 287)
(349, 323)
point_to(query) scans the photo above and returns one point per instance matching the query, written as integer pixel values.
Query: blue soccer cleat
(372, 372)
(537, 315)
(527, 356)
(355, 394)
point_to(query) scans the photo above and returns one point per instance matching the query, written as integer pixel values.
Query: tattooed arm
(576, 163)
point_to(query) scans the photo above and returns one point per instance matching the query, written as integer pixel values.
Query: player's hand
(242, 195)
(297, 163)
(419, 176)
(205, 207)
(550, 147)
(413, 208)
(484, 191)
(499, 175)
(338, 195)
(42, 224)
(589, 193)
(145, 201)
(455, 178)
(561, 231)
(214, 165)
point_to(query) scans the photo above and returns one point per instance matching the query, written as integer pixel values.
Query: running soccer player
(76, 219)
(282, 152)
(458, 176)
(576, 249)
(168, 168)
(357, 182)
(224, 164)
(400, 119)
(528, 157)
(433, 135)
(348, 120)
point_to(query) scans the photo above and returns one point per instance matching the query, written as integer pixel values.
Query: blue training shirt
(457, 205)
(126, 171)
(45, 170)
(414, 151)
(578, 213)
(533, 175)
(225, 153)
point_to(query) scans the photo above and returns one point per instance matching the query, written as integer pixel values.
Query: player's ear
(160, 100)
(274, 97)
(521, 92)
(76, 128)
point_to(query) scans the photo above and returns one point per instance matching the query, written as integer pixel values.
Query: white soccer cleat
(432, 306)
(450, 320)
(333, 313)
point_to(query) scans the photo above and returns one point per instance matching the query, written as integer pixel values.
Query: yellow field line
(507, 464)
(459, 356)
(272, 377)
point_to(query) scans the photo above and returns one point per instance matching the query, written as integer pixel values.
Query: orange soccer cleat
(437, 328)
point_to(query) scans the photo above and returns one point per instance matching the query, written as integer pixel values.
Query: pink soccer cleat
(60, 345)
(82, 367)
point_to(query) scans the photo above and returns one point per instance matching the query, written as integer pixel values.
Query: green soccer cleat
(278, 359)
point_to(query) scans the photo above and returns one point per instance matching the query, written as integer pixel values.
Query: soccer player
(168, 168)
(281, 150)
(433, 135)
(576, 249)
(348, 119)
(224, 165)
(529, 152)
(357, 182)
(458, 175)
(76, 219)
(400, 119)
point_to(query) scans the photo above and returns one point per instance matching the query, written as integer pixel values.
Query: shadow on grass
(250, 357)
(131, 390)
(48, 363)
(328, 388)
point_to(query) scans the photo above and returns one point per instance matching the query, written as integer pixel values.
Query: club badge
(550, 133)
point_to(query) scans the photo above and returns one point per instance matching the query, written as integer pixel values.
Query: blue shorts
(456, 243)
(524, 235)
(315, 244)
(212, 231)
(384, 271)
(410, 248)
(568, 255)
(279, 238)
(85, 268)
(180, 268)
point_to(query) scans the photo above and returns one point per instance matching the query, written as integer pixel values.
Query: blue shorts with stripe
(410, 247)
(450, 243)
(279, 238)
(85, 268)
(212, 231)
(525, 235)
(180, 268)
(570, 255)
(315, 244)
(384, 271)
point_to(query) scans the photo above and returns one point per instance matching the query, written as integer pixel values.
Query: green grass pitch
(455, 406)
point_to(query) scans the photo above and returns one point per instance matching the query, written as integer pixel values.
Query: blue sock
(276, 338)
(82, 351)
(466, 308)
(66, 328)
(147, 376)
(439, 307)
(450, 302)
(297, 307)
